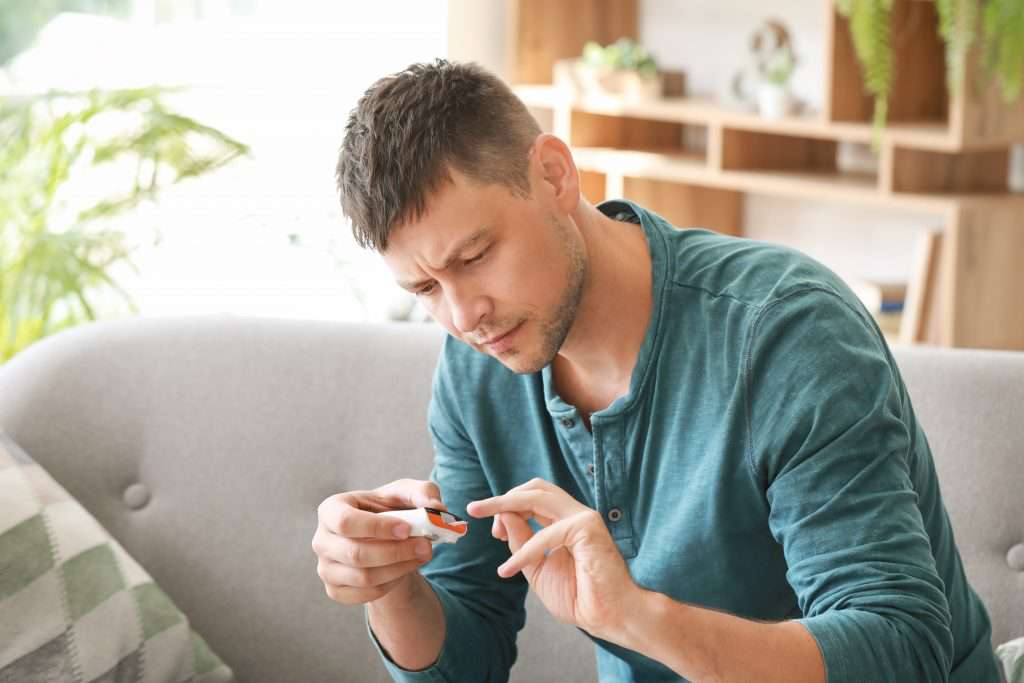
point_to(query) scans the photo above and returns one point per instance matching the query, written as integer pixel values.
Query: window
(264, 235)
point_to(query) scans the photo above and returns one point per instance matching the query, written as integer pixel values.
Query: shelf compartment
(927, 171)
(783, 159)
(686, 205)
(919, 92)
(744, 150)
(584, 129)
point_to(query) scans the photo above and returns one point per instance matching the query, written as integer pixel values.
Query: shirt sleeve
(829, 443)
(483, 612)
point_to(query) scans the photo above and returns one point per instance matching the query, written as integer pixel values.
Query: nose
(466, 307)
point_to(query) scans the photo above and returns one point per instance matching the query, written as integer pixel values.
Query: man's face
(502, 273)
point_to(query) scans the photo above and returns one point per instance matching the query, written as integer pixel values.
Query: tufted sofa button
(136, 496)
(1015, 557)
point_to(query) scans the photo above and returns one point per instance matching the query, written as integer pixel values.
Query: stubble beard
(556, 327)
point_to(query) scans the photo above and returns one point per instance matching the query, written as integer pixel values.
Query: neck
(602, 346)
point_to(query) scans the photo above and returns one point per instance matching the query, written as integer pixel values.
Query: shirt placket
(612, 499)
(581, 448)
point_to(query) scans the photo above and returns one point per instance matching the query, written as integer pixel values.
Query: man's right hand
(363, 556)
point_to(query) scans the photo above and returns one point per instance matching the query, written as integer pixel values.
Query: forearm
(706, 645)
(409, 623)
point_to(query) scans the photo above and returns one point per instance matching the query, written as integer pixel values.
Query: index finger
(535, 502)
(347, 520)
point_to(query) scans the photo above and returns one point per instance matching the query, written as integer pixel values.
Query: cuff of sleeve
(460, 637)
(829, 630)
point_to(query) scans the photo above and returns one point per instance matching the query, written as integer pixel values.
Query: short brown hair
(409, 128)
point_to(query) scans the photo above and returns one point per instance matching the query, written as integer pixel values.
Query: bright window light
(263, 236)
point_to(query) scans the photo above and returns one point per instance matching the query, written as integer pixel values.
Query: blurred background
(176, 157)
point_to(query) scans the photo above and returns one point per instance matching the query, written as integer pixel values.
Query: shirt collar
(655, 228)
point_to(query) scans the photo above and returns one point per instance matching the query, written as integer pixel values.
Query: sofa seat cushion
(73, 604)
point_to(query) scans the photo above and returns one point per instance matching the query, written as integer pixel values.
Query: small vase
(773, 101)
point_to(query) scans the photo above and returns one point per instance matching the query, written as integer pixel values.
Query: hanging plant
(958, 20)
(870, 31)
(1003, 44)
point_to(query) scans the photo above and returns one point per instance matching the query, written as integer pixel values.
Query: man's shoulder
(750, 272)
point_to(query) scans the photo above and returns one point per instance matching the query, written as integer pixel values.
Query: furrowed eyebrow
(476, 237)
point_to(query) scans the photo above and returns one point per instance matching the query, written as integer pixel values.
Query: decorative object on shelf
(856, 158)
(1002, 43)
(772, 64)
(58, 243)
(622, 69)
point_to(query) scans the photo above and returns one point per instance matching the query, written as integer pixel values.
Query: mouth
(503, 341)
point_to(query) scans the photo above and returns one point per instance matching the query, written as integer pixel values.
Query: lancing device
(437, 525)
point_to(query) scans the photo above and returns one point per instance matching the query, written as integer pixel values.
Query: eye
(426, 290)
(475, 258)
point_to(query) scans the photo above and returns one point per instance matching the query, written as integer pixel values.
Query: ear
(551, 160)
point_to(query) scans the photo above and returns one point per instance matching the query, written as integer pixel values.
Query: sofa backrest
(971, 406)
(240, 427)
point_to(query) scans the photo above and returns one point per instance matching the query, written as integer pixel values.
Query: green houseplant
(1002, 43)
(624, 53)
(58, 245)
(623, 68)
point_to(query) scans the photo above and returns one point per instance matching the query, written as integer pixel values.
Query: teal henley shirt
(766, 461)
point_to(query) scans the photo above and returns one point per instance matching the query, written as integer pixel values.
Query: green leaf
(51, 275)
(1003, 45)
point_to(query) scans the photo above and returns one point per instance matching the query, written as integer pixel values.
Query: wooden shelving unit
(693, 161)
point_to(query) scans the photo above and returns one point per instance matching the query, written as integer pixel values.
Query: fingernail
(400, 530)
(422, 549)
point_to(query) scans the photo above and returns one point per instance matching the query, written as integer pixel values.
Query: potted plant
(622, 69)
(773, 52)
(763, 83)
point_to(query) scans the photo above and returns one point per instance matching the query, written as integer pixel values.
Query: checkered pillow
(1012, 656)
(74, 606)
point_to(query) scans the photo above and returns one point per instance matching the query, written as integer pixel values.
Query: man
(696, 448)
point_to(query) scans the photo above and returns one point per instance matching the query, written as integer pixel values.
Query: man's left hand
(572, 563)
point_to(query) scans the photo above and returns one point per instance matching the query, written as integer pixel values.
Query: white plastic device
(437, 525)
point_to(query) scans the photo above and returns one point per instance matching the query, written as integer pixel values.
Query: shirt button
(568, 422)
(591, 469)
(615, 514)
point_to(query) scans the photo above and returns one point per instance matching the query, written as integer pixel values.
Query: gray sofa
(237, 428)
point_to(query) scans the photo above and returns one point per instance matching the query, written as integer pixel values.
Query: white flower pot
(774, 101)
